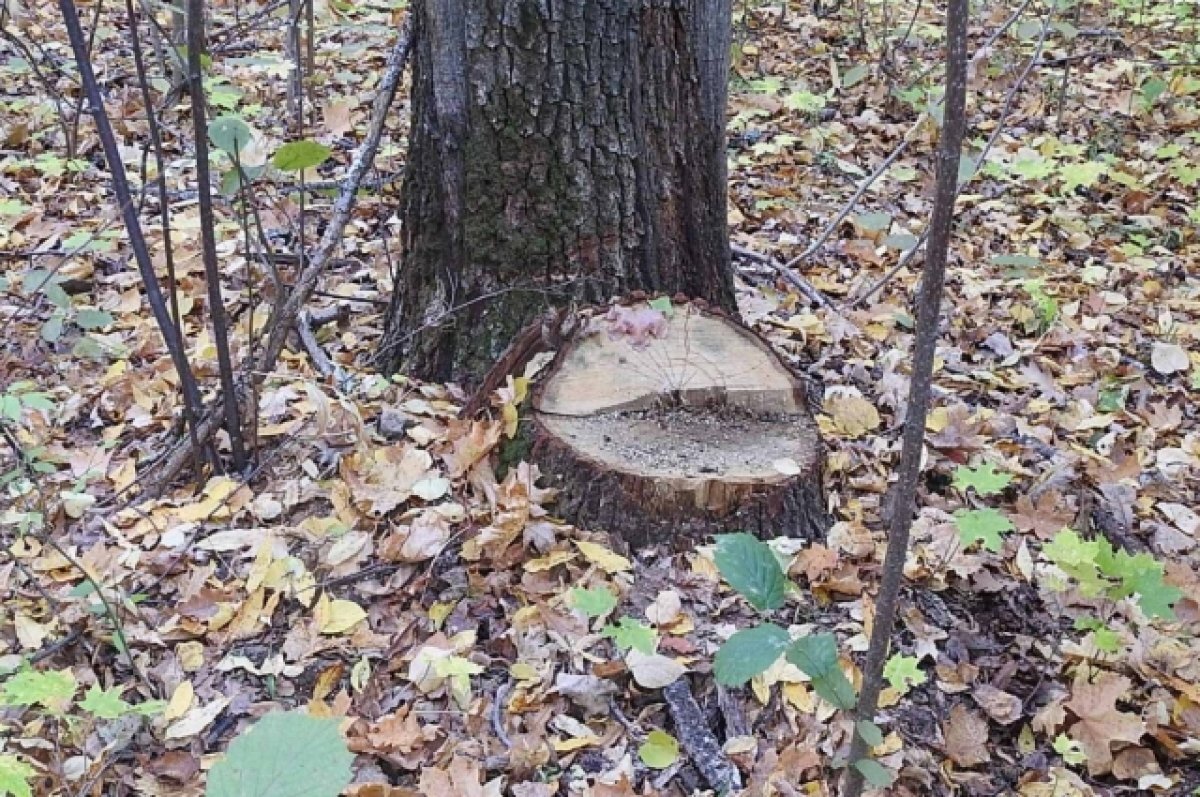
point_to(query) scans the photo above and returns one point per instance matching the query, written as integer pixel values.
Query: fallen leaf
(999, 705)
(1100, 724)
(853, 416)
(665, 608)
(337, 616)
(653, 670)
(966, 737)
(197, 719)
(1168, 358)
(603, 558)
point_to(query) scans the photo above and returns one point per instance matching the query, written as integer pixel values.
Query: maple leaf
(1099, 723)
(1046, 516)
(982, 525)
(985, 479)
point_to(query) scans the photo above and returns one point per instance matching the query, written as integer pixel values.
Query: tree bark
(561, 151)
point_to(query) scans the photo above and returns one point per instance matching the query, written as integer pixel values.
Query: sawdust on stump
(666, 425)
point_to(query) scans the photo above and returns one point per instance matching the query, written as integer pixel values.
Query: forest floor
(1047, 641)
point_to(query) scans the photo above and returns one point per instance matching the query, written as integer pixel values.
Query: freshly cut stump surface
(664, 427)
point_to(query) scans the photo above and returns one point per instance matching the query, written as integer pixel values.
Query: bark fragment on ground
(699, 742)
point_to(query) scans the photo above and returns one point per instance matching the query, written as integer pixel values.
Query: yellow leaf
(853, 416)
(523, 671)
(30, 633)
(181, 701)
(603, 558)
(570, 745)
(439, 611)
(337, 616)
(549, 561)
(511, 420)
(190, 655)
(262, 562)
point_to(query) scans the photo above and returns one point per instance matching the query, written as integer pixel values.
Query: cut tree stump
(664, 422)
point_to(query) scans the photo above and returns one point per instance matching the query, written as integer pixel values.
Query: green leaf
(1106, 640)
(749, 652)
(817, 657)
(104, 703)
(230, 134)
(595, 602)
(15, 775)
(659, 751)
(10, 407)
(1016, 261)
(854, 76)
(1085, 175)
(875, 773)
(287, 754)
(985, 480)
(901, 241)
(149, 708)
(1152, 88)
(874, 222)
(93, 319)
(35, 400)
(662, 304)
(869, 732)
(12, 207)
(55, 293)
(903, 673)
(300, 155)
(629, 633)
(816, 654)
(750, 567)
(52, 689)
(1069, 749)
(986, 525)
(52, 329)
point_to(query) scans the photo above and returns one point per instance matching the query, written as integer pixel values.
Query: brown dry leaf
(622, 788)
(999, 705)
(816, 560)
(469, 443)
(401, 732)
(420, 540)
(384, 478)
(1135, 762)
(1045, 517)
(380, 790)
(338, 118)
(460, 779)
(174, 765)
(966, 737)
(1100, 723)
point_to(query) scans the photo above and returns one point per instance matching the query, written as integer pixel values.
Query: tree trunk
(561, 151)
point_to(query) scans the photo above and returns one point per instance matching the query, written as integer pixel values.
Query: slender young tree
(561, 150)
(212, 274)
(929, 305)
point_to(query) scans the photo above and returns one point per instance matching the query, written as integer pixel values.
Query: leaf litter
(403, 587)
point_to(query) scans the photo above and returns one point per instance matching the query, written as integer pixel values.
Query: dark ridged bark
(561, 150)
